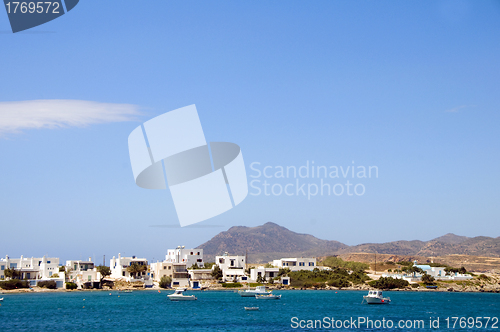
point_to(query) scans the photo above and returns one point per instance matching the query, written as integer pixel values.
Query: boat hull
(182, 298)
(374, 300)
(251, 294)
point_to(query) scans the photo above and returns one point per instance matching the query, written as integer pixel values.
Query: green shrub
(307, 284)
(428, 280)
(208, 265)
(13, 284)
(337, 262)
(217, 273)
(388, 283)
(339, 283)
(414, 285)
(484, 277)
(165, 282)
(254, 284)
(50, 284)
(232, 285)
(405, 263)
(71, 285)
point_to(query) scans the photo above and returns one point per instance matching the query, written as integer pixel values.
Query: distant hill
(266, 242)
(271, 241)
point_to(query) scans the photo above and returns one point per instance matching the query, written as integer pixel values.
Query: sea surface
(224, 311)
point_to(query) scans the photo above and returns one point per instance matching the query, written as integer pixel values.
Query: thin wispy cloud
(18, 116)
(456, 109)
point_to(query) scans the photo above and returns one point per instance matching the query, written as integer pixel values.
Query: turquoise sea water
(224, 311)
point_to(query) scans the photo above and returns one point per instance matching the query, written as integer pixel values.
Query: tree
(12, 273)
(389, 283)
(268, 265)
(450, 270)
(165, 281)
(71, 285)
(412, 270)
(208, 265)
(339, 283)
(428, 279)
(104, 271)
(217, 272)
(50, 284)
(283, 272)
(136, 269)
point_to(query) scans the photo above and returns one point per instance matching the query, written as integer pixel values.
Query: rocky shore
(489, 285)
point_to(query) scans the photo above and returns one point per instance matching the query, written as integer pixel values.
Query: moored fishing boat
(259, 290)
(178, 295)
(268, 297)
(376, 297)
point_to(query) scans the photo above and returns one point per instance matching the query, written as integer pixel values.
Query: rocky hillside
(271, 241)
(266, 242)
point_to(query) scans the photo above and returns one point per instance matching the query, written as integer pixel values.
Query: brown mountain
(271, 241)
(266, 242)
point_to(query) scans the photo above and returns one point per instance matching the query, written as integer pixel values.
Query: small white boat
(251, 308)
(268, 297)
(178, 295)
(259, 290)
(1, 299)
(376, 297)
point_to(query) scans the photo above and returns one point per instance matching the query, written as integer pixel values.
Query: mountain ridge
(271, 241)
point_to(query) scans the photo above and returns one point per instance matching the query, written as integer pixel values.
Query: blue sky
(410, 87)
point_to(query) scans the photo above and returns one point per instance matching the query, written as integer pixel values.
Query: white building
(34, 269)
(264, 272)
(176, 271)
(233, 267)
(119, 267)
(296, 264)
(438, 272)
(185, 256)
(199, 277)
(82, 272)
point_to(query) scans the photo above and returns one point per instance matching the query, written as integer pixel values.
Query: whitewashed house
(233, 267)
(119, 267)
(185, 256)
(176, 271)
(199, 277)
(34, 269)
(82, 272)
(438, 272)
(268, 273)
(296, 264)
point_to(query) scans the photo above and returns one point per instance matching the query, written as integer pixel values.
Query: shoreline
(230, 290)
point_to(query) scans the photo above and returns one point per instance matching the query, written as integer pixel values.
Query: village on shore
(186, 268)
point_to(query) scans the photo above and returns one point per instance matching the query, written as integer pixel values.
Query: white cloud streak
(60, 113)
(456, 109)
